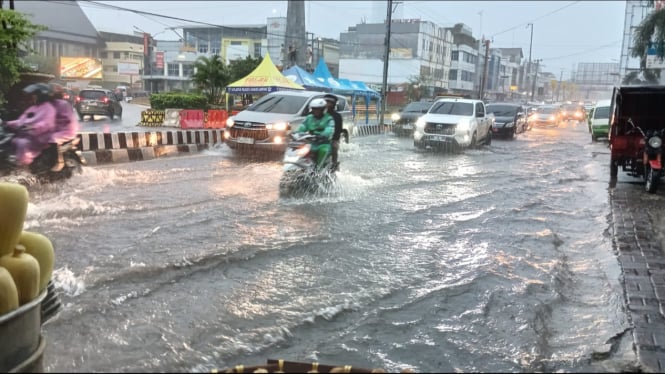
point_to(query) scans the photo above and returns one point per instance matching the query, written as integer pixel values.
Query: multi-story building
(636, 11)
(171, 68)
(122, 60)
(69, 33)
(512, 59)
(464, 61)
(419, 51)
(229, 42)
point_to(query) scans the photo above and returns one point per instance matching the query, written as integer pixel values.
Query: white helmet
(317, 104)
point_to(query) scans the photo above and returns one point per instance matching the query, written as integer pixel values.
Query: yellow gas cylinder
(8, 292)
(41, 248)
(25, 271)
(13, 207)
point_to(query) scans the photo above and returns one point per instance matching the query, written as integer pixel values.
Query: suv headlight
(655, 142)
(395, 117)
(420, 123)
(510, 124)
(279, 126)
(230, 122)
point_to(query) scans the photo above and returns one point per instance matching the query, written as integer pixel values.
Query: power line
(534, 19)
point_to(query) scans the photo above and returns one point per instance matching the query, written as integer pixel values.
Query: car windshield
(602, 112)
(502, 110)
(417, 107)
(453, 107)
(283, 104)
(92, 95)
(547, 109)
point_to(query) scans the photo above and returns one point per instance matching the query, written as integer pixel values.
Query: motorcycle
(41, 166)
(650, 167)
(300, 175)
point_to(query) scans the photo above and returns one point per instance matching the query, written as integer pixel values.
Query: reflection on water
(480, 261)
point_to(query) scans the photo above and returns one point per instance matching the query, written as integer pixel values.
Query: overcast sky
(564, 32)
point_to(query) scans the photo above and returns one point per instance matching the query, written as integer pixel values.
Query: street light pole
(528, 69)
(535, 78)
(384, 86)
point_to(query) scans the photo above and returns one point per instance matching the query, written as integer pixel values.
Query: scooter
(41, 166)
(652, 166)
(300, 175)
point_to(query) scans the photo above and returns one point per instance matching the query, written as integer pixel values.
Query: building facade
(464, 61)
(419, 51)
(595, 80)
(122, 54)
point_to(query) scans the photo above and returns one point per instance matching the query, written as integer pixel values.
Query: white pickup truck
(454, 123)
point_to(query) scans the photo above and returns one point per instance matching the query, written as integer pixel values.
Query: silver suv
(268, 122)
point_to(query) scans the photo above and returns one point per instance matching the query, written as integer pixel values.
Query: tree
(211, 76)
(242, 67)
(17, 30)
(650, 32)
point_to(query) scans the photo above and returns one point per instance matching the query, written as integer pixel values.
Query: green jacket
(323, 127)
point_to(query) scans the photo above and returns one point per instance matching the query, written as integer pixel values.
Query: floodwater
(498, 259)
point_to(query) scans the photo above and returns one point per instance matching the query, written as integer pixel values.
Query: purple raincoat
(39, 122)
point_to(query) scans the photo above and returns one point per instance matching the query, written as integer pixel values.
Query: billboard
(80, 68)
(128, 68)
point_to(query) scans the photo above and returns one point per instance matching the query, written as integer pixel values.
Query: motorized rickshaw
(637, 127)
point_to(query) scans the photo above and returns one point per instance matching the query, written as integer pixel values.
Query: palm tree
(650, 32)
(211, 76)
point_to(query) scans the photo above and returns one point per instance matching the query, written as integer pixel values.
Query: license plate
(439, 138)
(246, 140)
(408, 127)
(92, 104)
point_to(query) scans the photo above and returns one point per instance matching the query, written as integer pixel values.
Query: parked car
(405, 120)
(97, 101)
(547, 115)
(509, 119)
(454, 124)
(599, 119)
(268, 122)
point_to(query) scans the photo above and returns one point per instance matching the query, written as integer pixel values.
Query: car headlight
(395, 117)
(463, 126)
(230, 122)
(510, 124)
(552, 118)
(420, 123)
(279, 126)
(655, 142)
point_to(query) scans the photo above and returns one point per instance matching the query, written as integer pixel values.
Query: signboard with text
(159, 60)
(80, 68)
(128, 68)
(653, 61)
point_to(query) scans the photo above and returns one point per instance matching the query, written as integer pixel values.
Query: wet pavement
(637, 238)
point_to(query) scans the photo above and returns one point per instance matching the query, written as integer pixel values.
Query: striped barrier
(92, 141)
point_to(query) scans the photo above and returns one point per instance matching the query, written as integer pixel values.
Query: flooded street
(497, 260)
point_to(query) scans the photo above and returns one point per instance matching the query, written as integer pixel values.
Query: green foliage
(211, 76)
(45, 64)
(178, 101)
(16, 31)
(240, 68)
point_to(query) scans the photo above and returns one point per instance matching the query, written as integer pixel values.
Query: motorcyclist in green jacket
(318, 122)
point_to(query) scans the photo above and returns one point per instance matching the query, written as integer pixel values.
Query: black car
(509, 119)
(97, 101)
(573, 112)
(404, 122)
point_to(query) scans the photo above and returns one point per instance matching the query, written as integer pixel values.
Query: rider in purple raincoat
(35, 126)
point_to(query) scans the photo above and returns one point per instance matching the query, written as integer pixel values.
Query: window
(454, 56)
(103, 55)
(452, 75)
(203, 48)
(173, 70)
(257, 50)
(116, 55)
(187, 70)
(480, 110)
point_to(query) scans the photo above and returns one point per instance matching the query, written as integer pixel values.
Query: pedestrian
(331, 101)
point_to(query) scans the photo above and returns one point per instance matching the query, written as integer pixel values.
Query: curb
(108, 156)
(104, 148)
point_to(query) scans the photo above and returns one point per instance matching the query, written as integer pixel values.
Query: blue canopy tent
(305, 79)
(366, 92)
(322, 74)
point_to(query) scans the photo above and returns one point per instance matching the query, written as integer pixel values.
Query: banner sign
(159, 60)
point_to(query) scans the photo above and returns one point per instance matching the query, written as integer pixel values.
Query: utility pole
(528, 68)
(535, 78)
(558, 88)
(483, 81)
(384, 86)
